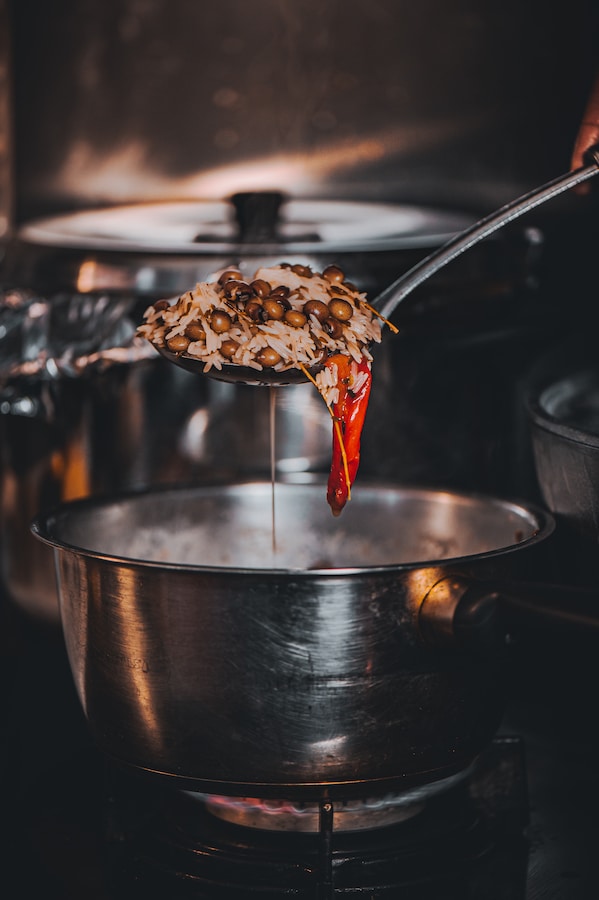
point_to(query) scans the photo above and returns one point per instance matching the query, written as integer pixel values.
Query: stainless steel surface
(464, 105)
(569, 406)
(200, 653)
(564, 416)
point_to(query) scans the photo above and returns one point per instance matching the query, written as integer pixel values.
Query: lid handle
(257, 216)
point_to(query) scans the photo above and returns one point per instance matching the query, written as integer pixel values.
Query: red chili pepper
(349, 412)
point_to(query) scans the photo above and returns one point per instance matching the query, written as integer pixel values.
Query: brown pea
(280, 291)
(230, 275)
(333, 274)
(316, 308)
(268, 357)
(341, 309)
(261, 288)
(195, 332)
(333, 328)
(228, 348)
(237, 290)
(295, 318)
(350, 286)
(254, 309)
(304, 271)
(220, 321)
(273, 309)
(282, 300)
(178, 343)
(161, 305)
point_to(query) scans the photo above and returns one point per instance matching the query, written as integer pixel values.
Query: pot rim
(547, 421)
(42, 525)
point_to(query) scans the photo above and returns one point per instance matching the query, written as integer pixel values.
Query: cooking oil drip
(273, 468)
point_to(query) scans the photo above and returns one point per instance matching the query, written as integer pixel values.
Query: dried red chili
(349, 412)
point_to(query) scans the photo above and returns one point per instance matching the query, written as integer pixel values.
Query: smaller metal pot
(564, 421)
(315, 671)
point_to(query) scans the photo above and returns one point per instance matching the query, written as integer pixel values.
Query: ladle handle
(405, 284)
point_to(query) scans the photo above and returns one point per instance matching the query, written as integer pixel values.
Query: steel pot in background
(199, 655)
(124, 426)
(75, 436)
(563, 407)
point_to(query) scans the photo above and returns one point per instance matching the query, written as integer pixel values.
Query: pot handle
(482, 614)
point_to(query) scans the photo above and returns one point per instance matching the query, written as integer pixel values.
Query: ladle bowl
(388, 300)
(238, 374)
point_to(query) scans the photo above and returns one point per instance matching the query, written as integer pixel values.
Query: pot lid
(255, 221)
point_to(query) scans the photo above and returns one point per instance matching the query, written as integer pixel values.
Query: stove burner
(467, 842)
(351, 815)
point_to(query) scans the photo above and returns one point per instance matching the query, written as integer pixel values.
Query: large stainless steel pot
(199, 654)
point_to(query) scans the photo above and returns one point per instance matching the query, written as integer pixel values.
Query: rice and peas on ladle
(285, 317)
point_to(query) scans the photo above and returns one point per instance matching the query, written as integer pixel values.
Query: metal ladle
(388, 300)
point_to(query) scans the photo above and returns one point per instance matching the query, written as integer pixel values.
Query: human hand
(588, 134)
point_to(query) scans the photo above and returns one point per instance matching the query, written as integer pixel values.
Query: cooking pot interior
(570, 406)
(232, 527)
